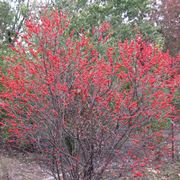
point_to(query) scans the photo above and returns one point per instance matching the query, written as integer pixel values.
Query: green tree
(127, 17)
(12, 16)
(6, 18)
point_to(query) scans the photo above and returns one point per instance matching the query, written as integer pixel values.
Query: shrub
(87, 110)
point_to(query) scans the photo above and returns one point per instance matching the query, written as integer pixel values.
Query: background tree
(13, 14)
(127, 18)
(167, 17)
(6, 17)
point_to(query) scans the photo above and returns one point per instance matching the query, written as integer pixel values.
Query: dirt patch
(168, 172)
(20, 167)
